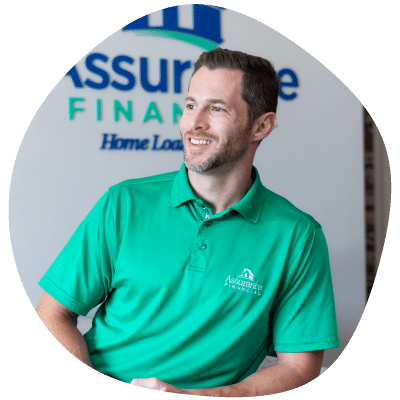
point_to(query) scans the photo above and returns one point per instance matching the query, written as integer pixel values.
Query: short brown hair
(260, 83)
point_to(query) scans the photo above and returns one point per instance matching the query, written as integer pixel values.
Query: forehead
(218, 83)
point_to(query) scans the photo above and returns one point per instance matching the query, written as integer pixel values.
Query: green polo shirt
(189, 297)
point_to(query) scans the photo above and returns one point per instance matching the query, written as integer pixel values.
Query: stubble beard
(232, 151)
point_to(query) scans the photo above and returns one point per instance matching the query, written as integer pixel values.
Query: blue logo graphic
(206, 32)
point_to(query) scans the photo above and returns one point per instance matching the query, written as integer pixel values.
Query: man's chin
(200, 168)
(195, 168)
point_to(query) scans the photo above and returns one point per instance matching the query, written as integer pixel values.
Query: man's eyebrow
(188, 98)
(218, 101)
(212, 101)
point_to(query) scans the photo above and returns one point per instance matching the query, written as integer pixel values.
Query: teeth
(194, 141)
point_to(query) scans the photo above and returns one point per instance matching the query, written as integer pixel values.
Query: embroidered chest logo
(244, 283)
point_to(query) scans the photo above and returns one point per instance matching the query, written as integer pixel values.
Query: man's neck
(222, 187)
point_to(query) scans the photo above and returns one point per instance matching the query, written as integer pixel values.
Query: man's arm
(62, 323)
(291, 371)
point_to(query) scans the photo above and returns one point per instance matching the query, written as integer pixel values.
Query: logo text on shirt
(244, 283)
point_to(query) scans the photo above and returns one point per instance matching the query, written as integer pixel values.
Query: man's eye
(190, 106)
(217, 109)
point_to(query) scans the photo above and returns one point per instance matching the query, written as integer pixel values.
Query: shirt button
(208, 223)
(202, 246)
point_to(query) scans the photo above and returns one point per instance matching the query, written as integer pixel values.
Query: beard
(231, 151)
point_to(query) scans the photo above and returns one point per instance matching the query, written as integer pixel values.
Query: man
(200, 272)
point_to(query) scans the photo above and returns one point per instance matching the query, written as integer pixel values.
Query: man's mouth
(200, 142)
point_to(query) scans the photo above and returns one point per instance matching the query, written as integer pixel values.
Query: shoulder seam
(302, 246)
(142, 181)
(299, 213)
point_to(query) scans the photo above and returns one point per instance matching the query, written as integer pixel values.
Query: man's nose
(200, 120)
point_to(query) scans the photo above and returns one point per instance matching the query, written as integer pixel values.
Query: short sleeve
(304, 317)
(81, 276)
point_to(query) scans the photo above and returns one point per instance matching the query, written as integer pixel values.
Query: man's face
(214, 124)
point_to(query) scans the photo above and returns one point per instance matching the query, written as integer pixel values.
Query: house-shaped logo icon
(247, 274)
(206, 32)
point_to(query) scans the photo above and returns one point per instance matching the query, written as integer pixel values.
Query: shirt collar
(249, 206)
(181, 190)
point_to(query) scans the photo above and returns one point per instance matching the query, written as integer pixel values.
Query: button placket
(199, 256)
(205, 213)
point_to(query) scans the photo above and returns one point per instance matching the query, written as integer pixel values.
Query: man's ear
(263, 126)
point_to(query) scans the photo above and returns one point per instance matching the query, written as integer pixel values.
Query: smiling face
(214, 125)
